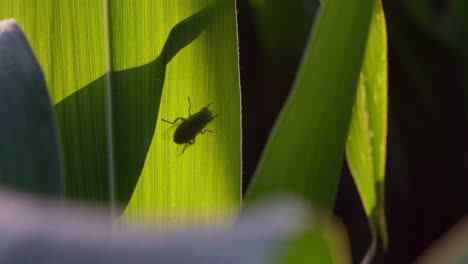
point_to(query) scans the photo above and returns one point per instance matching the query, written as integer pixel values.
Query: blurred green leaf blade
(366, 143)
(322, 243)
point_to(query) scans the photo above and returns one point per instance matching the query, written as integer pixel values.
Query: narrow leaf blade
(305, 151)
(366, 144)
(194, 50)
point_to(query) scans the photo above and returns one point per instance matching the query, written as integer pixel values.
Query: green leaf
(305, 151)
(366, 145)
(30, 158)
(189, 49)
(203, 183)
(68, 38)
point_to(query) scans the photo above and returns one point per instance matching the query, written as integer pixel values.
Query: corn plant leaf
(102, 57)
(366, 145)
(305, 151)
(30, 158)
(199, 182)
(69, 41)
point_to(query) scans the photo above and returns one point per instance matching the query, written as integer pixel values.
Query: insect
(192, 125)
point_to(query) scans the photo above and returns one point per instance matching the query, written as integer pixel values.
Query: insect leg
(185, 146)
(189, 106)
(175, 121)
(206, 130)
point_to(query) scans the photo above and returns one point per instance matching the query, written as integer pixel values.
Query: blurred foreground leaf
(324, 243)
(48, 232)
(450, 248)
(366, 145)
(30, 158)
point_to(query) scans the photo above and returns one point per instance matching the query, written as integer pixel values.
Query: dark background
(427, 174)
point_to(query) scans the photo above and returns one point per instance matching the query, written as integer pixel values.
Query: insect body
(192, 125)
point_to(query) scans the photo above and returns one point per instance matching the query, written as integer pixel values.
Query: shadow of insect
(192, 125)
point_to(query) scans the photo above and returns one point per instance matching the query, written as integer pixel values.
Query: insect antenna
(189, 106)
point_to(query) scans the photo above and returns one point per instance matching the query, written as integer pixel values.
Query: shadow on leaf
(82, 119)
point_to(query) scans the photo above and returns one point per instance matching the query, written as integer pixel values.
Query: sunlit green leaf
(202, 183)
(366, 145)
(188, 49)
(68, 38)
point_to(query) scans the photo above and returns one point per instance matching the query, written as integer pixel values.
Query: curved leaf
(306, 148)
(366, 145)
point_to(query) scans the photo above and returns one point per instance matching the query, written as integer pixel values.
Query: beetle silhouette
(192, 125)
